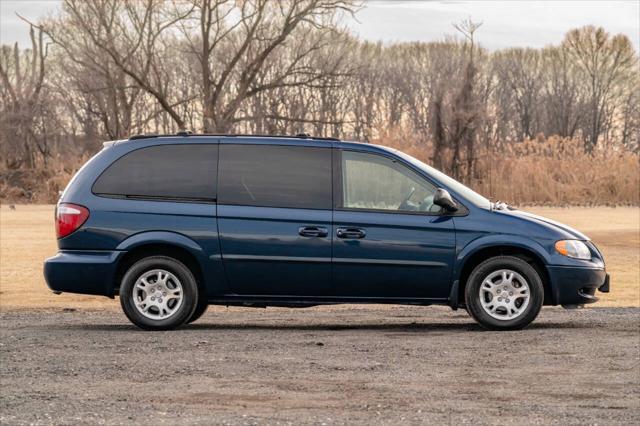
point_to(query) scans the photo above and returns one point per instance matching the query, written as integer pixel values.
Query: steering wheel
(427, 205)
(406, 198)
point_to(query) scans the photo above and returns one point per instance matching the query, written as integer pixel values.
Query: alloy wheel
(504, 294)
(157, 294)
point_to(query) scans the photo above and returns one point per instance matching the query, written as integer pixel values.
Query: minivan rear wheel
(504, 293)
(158, 293)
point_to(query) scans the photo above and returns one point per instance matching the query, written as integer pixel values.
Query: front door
(389, 239)
(274, 218)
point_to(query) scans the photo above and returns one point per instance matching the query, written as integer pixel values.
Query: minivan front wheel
(158, 293)
(504, 293)
(200, 309)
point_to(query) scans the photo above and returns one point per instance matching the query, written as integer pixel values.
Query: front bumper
(577, 285)
(84, 272)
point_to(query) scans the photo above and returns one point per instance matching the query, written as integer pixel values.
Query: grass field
(27, 238)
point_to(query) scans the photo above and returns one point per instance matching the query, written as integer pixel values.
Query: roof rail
(186, 133)
(136, 137)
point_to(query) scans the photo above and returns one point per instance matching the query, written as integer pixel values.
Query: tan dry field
(27, 238)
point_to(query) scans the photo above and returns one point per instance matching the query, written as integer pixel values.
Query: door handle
(313, 231)
(351, 233)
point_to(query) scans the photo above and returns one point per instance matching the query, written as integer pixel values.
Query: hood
(568, 231)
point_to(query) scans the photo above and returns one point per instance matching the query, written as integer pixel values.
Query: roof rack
(136, 137)
(188, 133)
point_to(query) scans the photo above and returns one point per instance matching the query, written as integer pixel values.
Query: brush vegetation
(551, 171)
(554, 125)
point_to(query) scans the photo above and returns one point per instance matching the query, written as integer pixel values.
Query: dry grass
(554, 171)
(42, 183)
(558, 171)
(27, 238)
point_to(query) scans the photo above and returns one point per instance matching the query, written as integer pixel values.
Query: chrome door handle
(351, 233)
(313, 231)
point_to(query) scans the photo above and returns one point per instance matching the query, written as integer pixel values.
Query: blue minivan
(175, 223)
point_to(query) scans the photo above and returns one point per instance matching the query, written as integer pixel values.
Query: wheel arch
(168, 244)
(480, 253)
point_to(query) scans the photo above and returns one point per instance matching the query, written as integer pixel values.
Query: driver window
(373, 182)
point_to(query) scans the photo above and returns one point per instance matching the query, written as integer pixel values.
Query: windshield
(465, 192)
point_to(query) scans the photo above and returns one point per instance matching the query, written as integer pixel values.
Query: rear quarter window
(185, 171)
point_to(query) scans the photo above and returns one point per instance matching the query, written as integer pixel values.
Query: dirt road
(351, 364)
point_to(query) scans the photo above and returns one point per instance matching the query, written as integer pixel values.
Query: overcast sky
(505, 23)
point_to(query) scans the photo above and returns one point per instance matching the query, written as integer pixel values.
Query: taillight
(69, 217)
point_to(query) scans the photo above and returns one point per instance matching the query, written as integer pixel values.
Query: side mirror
(443, 199)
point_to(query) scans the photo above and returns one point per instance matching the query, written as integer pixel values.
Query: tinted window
(275, 176)
(166, 171)
(374, 182)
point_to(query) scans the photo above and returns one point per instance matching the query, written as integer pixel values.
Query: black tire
(484, 270)
(200, 309)
(189, 290)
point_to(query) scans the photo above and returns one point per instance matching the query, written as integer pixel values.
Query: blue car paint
(405, 258)
(263, 249)
(504, 228)
(86, 272)
(402, 255)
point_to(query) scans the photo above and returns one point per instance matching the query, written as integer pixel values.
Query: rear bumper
(577, 286)
(84, 272)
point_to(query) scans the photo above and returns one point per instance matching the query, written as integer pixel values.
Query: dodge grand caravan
(174, 223)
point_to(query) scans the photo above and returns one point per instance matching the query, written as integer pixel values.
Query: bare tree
(465, 104)
(232, 41)
(517, 98)
(118, 67)
(23, 81)
(607, 63)
(630, 132)
(237, 54)
(135, 36)
(563, 96)
(429, 76)
(318, 106)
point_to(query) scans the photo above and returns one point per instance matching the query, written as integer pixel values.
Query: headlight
(573, 248)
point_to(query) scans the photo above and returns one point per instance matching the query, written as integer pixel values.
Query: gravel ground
(349, 364)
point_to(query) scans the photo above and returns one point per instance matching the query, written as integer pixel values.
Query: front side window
(374, 182)
(275, 176)
(448, 182)
(186, 171)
